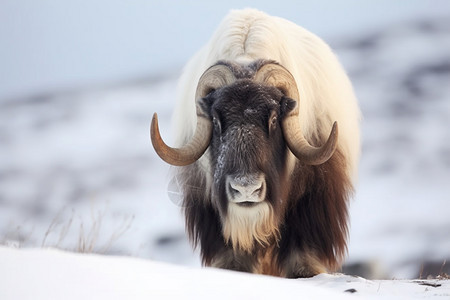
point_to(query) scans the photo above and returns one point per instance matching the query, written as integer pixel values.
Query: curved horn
(277, 76)
(213, 78)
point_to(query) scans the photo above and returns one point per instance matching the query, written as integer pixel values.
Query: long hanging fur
(316, 221)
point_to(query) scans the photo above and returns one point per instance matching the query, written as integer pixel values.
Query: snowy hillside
(51, 274)
(77, 170)
(400, 216)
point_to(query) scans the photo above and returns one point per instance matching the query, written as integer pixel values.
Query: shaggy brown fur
(300, 229)
(312, 234)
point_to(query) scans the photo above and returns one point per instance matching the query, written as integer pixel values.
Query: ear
(206, 104)
(287, 105)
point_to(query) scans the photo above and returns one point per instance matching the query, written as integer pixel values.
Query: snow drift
(53, 274)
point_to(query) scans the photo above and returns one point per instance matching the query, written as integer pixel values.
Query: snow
(402, 196)
(77, 170)
(53, 274)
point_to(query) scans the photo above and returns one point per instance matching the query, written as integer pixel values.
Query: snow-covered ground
(77, 170)
(51, 274)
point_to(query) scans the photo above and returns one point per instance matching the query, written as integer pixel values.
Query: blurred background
(80, 80)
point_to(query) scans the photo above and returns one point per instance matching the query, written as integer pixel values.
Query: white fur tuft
(243, 226)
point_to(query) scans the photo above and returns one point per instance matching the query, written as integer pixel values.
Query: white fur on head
(326, 94)
(245, 226)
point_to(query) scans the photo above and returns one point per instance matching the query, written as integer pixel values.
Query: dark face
(248, 152)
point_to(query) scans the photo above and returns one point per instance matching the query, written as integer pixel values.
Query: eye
(216, 122)
(217, 125)
(273, 121)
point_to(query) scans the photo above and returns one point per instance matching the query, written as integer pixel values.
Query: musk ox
(265, 176)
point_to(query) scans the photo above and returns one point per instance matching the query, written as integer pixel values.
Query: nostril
(259, 190)
(233, 191)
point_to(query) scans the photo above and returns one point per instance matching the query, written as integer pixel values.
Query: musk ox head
(248, 117)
